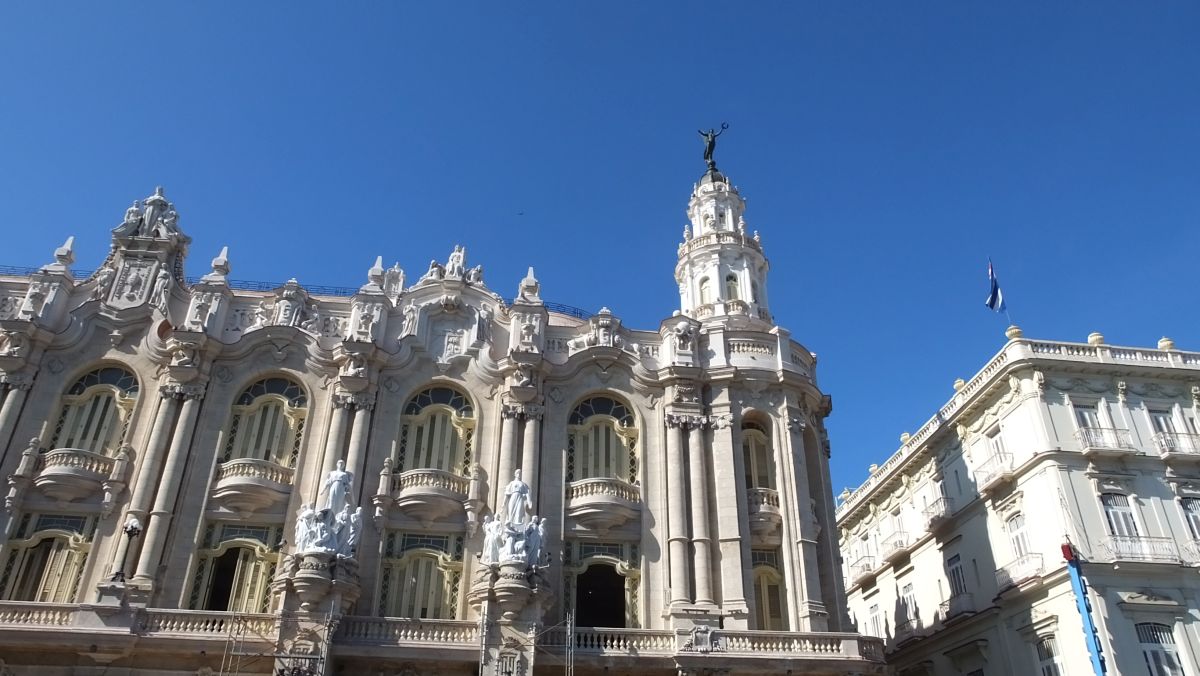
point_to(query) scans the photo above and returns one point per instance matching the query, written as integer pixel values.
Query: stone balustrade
(206, 623)
(71, 473)
(29, 614)
(716, 238)
(431, 478)
(620, 642)
(603, 486)
(254, 468)
(396, 631)
(76, 458)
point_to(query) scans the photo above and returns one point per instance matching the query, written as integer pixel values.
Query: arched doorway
(600, 597)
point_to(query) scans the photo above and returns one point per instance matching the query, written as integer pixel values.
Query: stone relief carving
(13, 344)
(35, 300)
(367, 320)
(604, 332)
(393, 282)
(160, 294)
(529, 331)
(8, 306)
(335, 528)
(155, 218)
(198, 311)
(104, 281)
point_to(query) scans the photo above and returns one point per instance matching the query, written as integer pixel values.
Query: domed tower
(722, 273)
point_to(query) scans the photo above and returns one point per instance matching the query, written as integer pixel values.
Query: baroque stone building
(209, 476)
(955, 546)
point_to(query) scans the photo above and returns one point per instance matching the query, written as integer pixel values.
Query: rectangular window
(876, 621)
(1087, 417)
(995, 441)
(1162, 421)
(1191, 512)
(1118, 513)
(958, 583)
(1017, 535)
(908, 602)
(1047, 654)
(1158, 649)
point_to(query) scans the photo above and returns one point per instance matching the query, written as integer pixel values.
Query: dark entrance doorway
(600, 597)
(221, 587)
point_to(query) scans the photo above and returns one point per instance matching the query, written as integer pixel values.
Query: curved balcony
(429, 495)
(250, 484)
(763, 504)
(602, 504)
(71, 473)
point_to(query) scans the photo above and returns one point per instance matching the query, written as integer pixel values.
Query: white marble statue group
(509, 537)
(336, 527)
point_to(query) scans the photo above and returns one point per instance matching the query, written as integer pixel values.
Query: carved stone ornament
(720, 422)
(686, 392)
(796, 422)
(154, 218)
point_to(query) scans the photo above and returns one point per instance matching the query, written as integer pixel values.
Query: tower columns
(677, 537)
(701, 533)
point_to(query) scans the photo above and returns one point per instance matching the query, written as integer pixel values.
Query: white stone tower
(721, 272)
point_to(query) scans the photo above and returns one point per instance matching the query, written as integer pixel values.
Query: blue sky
(886, 150)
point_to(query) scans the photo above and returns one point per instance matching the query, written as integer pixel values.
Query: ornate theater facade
(208, 476)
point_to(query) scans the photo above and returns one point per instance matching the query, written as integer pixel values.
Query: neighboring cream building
(952, 548)
(166, 438)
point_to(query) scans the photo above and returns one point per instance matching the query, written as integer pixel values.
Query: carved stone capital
(182, 391)
(355, 401)
(796, 423)
(686, 421)
(16, 381)
(720, 421)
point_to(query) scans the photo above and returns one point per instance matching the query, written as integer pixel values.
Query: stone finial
(220, 264)
(904, 437)
(375, 273)
(845, 494)
(1095, 338)
(1013, 332)
(873, 468)
(959, 383)
(65, 254)
(1166, 343)
(530, 288)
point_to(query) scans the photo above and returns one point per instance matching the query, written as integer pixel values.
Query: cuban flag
(995, 299)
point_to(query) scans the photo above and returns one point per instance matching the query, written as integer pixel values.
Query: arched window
(1118, 513)
(420, 578)
(706, 292)
(46, 560)
(731, 287)
(757, 456)
(234, 571)
(96, 411)
(1158, 649)
(602, 441)
(1048, 657)
(267, 422)
(436, 432)
(769, 613)
(1017, 535)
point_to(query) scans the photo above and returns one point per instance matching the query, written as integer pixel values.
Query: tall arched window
(769, 613)
(96, 411)
(46, 560)
(420, 577)
(1158, 649)
(234, 570)
(267, 422)
(1017, 535)
(602, 441)
(731, 287)
(436, 432)
(757, 456)
(706, 292)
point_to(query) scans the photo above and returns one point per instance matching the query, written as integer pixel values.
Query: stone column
(168, 489)
(530, 448)
(336, 441)
(733, 529)
(10, 410)
(677, 536)
(701, 533)
(508, 436)
(150, 460)
(357, 452)
(801, 572)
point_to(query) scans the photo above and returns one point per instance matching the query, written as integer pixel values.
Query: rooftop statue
(710, 143)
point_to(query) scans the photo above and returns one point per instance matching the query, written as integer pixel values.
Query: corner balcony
(957, 607)
(1024, 569)
(894, 545)
(1105, 442)
(71, 473)
(763, 504)
(994, 471)
(938, 513)
(250, 484)
(429, 495)
(603, 503)
(862, 569)
(1136, 548)
(1191, 552)
(1177, 446)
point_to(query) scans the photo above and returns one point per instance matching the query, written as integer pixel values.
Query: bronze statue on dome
(710, 143)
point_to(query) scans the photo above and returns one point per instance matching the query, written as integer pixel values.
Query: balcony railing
(908, 629)
(1191, 552)
(1175, 443)
(959, 604)
(938, 512)
(1015, 572)
(1138, 548)
(395, 631)
(1105, 439)
(862, 568)
(894, 545)
(996, 468)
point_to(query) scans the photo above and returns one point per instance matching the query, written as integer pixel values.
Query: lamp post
(132, 529)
